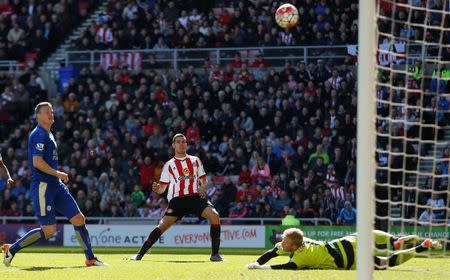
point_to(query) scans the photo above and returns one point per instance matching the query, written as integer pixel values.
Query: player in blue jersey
(48, 191)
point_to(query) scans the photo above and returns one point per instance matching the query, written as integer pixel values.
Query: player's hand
(253, 265)
(9, 182)
(63, 176)
(202, 192)
(156, 187)
(256, 265)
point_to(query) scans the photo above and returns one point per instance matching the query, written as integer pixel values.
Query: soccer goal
(403, 123)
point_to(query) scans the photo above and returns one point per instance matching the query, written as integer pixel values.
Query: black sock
(392, 260)
(154, 235)
(215, 238)
(420, 248)
(392, 240)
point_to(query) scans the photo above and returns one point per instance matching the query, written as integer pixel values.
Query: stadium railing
(176, 58)
(276, 56)
(185, 220)
(10, 66)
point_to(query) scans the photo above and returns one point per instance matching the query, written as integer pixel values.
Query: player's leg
(384, 238)
(402, 240)
(402, 256)
(42, 198)
(175, 210)
(214, 219)
(66, 204)
(165, 223)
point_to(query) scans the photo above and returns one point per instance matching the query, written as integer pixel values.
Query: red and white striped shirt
(105, 35)
(183, 176)
(338, 193)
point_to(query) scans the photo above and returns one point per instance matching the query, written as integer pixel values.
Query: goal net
(412, 118)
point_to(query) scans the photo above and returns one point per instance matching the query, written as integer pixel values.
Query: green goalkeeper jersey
(335, 254)
(311, 255)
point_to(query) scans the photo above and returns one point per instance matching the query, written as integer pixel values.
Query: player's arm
(5, 173)
(202, 178)
(267, 256)
(272, 253)
(260, 262)
(287, 266)
(161, 186)
(39, 163)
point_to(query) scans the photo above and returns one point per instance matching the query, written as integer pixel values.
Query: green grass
(67, 263)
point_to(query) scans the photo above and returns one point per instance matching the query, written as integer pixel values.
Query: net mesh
(412, 119)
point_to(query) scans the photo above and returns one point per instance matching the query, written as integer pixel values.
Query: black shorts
(186, 205)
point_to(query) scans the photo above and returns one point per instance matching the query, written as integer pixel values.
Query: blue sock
(28, 239)
(83, 237)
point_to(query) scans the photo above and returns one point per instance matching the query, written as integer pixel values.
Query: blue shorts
(48, 198)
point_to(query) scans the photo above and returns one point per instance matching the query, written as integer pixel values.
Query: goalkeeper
(340, 253)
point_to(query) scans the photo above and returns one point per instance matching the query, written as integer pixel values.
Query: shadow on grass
(44, 268)
(182, 261)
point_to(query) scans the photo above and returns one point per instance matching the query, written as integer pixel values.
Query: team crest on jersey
(49, 208)
(186, 171)
(40, 146)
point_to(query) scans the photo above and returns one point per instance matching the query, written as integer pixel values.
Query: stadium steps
(49, 69)
(53, 62)
(426, 165)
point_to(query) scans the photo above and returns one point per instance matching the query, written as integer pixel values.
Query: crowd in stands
(273, 141)
(202, 24)
(30, 29)
(17, 95)
(275, 145)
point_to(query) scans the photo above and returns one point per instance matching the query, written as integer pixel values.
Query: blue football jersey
(42, 143)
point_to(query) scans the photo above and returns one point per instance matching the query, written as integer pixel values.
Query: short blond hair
(176, 136)
(295, 235)
(38, 107)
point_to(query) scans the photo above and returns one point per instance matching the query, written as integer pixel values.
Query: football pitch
(67, 263)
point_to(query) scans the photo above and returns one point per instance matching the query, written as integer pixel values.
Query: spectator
(239, 211)
(331, 212)
(347, 215)
(138, 197)
(437, 205)
(229, 190)
(290, 220)
(146, 168)
(282, 201)
(261, 171)
(427, 217)
(244, 176)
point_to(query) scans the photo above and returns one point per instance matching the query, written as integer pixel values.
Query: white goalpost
(365, 138)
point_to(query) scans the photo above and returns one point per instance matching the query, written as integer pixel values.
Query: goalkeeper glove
(256, 265)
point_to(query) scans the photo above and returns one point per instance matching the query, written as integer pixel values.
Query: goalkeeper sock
(85, 242)
(154, 235)
(407, 239)
(420, 248)
(402, 256)
(382, 238)
(215, 239)
(28, 239)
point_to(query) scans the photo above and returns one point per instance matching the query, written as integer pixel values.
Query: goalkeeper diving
(306, 253)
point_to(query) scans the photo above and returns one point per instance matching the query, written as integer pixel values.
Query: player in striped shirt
(306, 253)
(184, 178)
(5, 173)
